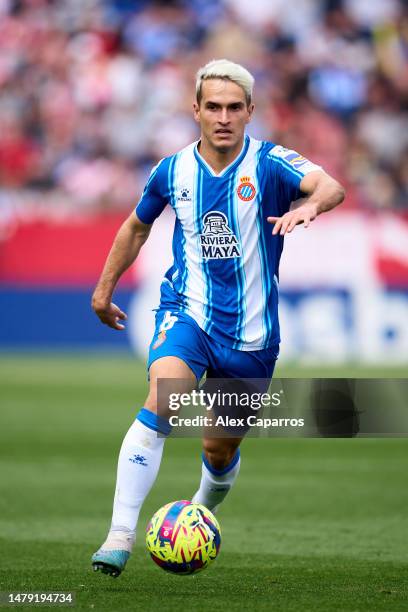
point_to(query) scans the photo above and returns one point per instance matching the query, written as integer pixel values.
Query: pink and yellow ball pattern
(183, 537)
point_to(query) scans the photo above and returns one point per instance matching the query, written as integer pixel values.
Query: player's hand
(284, 225)
(110, 314)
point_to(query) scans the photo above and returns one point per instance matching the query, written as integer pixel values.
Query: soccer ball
(183, 537)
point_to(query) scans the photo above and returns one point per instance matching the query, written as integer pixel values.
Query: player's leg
(219, 471)
(142, 447)
(221, 456)
(176, 352)
(138, 466)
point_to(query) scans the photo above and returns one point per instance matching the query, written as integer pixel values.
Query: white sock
(138, 465)
(215, 484)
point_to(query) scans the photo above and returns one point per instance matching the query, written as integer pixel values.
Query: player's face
(222, 114)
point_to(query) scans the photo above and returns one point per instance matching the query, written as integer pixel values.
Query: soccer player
(234, 198)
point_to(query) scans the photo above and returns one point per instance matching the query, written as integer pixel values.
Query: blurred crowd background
(95, 92)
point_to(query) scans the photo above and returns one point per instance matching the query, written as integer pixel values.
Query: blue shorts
(178, 335)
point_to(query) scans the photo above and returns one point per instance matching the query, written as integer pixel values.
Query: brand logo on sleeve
(246, 190)
(218, 241)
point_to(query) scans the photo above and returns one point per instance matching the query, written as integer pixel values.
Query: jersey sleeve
(287, 168)
(154, 197)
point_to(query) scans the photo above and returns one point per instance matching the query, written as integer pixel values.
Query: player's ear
(250, 112)
(196, 112)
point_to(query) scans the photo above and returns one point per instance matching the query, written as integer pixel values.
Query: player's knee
(218, 453)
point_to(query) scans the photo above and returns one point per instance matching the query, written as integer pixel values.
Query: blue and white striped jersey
(225, 270)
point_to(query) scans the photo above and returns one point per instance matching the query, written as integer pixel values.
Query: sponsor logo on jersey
(184, 195)
(218, 240)
(246, 190)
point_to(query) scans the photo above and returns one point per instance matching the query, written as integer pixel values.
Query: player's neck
(216, 159)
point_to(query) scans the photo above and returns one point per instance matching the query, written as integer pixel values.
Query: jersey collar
(207, 168)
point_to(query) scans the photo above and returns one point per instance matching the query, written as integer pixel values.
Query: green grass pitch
(311, 525)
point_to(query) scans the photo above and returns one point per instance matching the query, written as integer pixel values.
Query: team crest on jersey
(246, 190)
(218, 241)
(184, 195)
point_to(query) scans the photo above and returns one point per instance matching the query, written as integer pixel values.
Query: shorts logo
(160, 339)
(184, 195)
(246, 190)
(218, 240)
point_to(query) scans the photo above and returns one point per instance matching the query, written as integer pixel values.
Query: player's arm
(126, 246)
(323, 193)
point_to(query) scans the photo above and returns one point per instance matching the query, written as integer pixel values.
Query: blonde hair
(224, 69)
